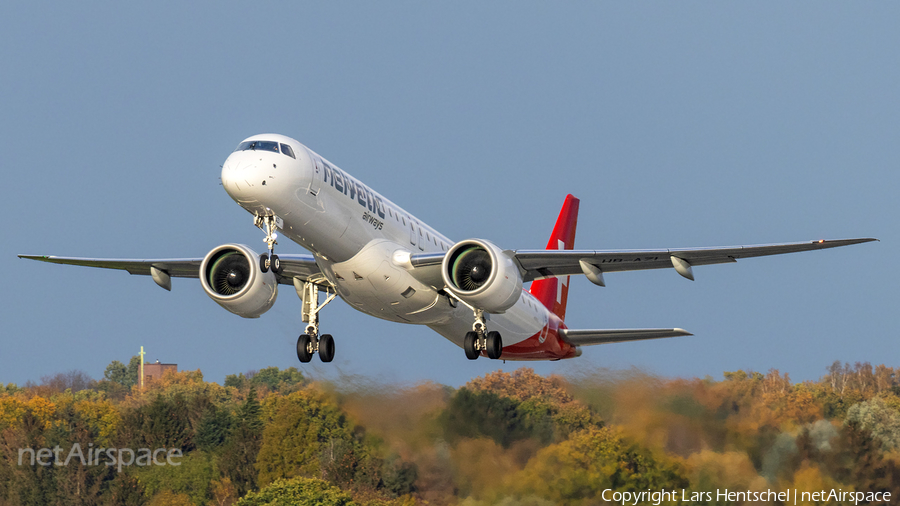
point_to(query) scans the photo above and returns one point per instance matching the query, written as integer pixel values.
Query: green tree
(125, 490)
(27, 485)
(275, 379)
(577, 470)
(509, 407)
(304, 431)
(116, 372)
(127, 376)
(473, 414)
(240, 450)
(399, 477)
(272, 378)
(163, 423)
(169, 498)
(213, 428)
(192, 477)
(482, 413)
(876, 417)
(133, 376)
(858, 461)
(74, 424)
(238, 381)
(298, 492)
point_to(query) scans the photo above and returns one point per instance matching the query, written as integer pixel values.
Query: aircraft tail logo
(554, 292)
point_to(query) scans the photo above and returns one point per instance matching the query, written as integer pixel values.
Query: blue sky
(676, 124)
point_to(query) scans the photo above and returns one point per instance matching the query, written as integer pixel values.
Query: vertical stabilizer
(554, 292)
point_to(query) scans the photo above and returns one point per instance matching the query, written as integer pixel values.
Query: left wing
(538, 264)
(299, 266)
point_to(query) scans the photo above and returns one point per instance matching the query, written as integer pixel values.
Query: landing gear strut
(479, 339)
(311, 342)
(269, 224)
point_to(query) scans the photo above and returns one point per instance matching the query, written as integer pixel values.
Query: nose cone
(248, 179)
(238, 176)
(261, 180)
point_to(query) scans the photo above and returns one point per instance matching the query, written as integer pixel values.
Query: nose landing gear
(311, 342)
(269, 224)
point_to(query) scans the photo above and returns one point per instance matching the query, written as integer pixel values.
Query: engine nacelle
(231, 276)
(480, 274)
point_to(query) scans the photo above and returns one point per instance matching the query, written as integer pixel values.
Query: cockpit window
(266, 146)
(258, 145)
(287, 150)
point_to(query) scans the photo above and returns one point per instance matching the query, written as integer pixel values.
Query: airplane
(385, 262)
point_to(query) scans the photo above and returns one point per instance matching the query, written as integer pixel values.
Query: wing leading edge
(294, 266)
(538, 264)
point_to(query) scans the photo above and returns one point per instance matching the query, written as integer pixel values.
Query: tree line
(508, 438)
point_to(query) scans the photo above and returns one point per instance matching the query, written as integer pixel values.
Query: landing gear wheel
(276, 264)
(494, 345)
(264, 263)
(469, 345)
(326, 348)
(304, 348)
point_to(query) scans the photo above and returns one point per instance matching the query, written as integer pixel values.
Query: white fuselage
(360, 240)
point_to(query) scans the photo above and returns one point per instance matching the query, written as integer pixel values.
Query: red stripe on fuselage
(551, 347)
(553, 293)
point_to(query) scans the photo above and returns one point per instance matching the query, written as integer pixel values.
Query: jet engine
(480, 274)
(231, 276)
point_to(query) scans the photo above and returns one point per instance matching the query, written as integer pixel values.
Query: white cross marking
(560, 281)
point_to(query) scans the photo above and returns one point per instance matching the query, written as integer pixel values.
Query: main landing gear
(311, 342)
(269, 224)
(479, 339)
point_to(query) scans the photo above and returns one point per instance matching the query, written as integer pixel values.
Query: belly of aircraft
(371, 283)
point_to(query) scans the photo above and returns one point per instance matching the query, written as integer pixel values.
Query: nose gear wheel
(269, 224)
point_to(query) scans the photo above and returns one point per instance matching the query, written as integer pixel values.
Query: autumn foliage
(507, 438)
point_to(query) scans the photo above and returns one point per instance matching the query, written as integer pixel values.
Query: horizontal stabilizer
(589, 337)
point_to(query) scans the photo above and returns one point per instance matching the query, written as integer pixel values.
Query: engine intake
(482, 275)
(231, 276)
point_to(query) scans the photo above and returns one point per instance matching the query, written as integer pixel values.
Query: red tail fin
(554, 292)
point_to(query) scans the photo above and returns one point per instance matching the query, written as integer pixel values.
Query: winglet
(554, 292)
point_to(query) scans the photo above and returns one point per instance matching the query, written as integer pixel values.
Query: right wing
(537, 264)
(293, 266)
(589, 337)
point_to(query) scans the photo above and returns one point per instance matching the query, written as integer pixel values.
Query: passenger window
(288, 151)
